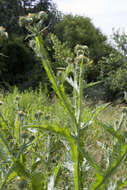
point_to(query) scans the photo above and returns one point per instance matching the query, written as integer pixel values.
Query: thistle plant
(73, 74)
(76, 155)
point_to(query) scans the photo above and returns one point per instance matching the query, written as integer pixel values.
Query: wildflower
(31, 18)
(25, 20)
(69, 60)
(42, 15)
(81, 50)
(21, 113)
(1, 103)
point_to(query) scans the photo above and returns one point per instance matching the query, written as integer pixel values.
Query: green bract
(31, 18)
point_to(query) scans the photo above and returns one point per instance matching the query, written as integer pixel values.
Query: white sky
(105, 14)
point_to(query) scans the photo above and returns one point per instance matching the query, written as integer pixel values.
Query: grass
(30, 102)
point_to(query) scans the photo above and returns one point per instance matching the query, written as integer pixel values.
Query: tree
(80, 30)
(113, 69)
(9, 12)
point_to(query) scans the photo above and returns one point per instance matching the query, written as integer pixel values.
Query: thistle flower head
(69, 60)
(42, 15)
(25, 20)
(81, 50)
(32, 18)
(21, 113)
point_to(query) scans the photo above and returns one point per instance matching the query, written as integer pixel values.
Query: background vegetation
(60, 142)
(23, 69)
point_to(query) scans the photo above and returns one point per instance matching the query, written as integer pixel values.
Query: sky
(104, 14)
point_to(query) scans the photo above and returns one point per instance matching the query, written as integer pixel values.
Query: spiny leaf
(54, 177)
(98, 178)
(58, 89)
(52, 127)
(91, 161)
(111, 130)
(113, 168)
(4, 149)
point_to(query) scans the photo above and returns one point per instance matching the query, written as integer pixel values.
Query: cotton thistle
(81, 50)
(32, 18)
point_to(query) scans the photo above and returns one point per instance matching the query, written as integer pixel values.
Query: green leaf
(4, 156)
(91, 161)
(5, 153)
(12, 175)
(53, 127)
(37, 181)
(92, 84)
(59, 89)
(98, 178)
(20, 169)
(111, 130)
(54, 178)
(16, 129)
(122, 184)
(112, 169)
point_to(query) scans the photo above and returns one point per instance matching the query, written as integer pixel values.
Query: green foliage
(40, 139)
(11, 10)
(113, 68)
(43, 158)
(17, 63)
(21, 111)
(61, 53)
(79, 30)
(72, 134)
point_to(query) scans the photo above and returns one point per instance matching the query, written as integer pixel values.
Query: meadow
(41, 159)
(60, 141)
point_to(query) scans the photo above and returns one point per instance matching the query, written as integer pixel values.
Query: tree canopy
(80, 30)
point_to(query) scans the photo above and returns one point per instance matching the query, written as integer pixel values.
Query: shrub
(18, 62)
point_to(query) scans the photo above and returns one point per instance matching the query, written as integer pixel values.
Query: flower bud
(21, 113)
